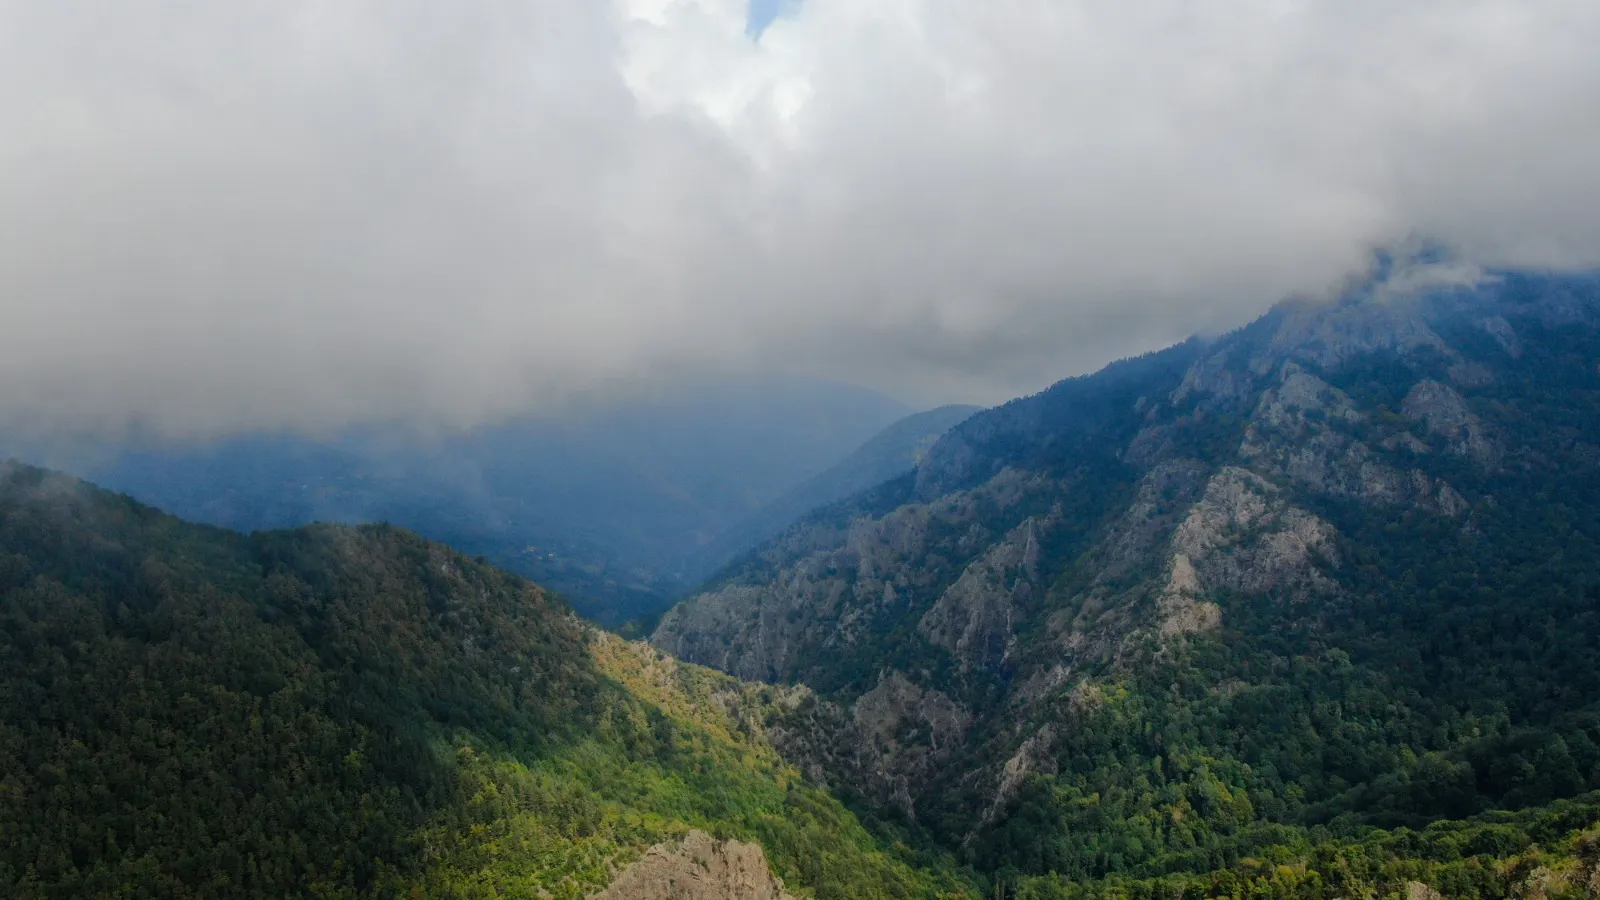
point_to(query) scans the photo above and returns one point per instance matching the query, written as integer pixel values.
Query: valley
(618, 507)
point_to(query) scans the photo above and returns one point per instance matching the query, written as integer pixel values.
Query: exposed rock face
(835, 580)
(752, 630)
(1218, 380)
(903, 733)
(973, 618)
(1094, 624)
(888, 743)
(1446, 414)
(1501, 330)
(1160, 502)
(1181, 609)
(1332, 335)
(1470, 375)
(1305, 430)
(698, 868)
(1041, 684)
(1032, 757)
(1302, 430)
(883, 713)
(1416, 890)
(1242, 536)
(1298, 396)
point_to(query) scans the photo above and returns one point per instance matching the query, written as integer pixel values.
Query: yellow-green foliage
(565, 823)
(1551, 853)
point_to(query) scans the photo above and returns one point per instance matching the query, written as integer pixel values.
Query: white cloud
(278, 212)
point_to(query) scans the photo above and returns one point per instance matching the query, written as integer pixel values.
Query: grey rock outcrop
(698, 868)
(1032, 757)
(1504, 335)
(1416, 890)
(1330, 335)
(1446, 414)
(974, 618)
(888, 744)
(1304, 430)
(1243, 536)
(836, 579)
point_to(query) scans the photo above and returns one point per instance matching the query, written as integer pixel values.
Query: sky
(761, 13)
(306, 213)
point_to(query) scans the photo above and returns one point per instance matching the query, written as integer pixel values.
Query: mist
(265, 215)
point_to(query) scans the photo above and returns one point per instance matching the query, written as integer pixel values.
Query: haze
(271, 214)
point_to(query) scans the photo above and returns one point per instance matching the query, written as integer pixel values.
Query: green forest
(344, 712)
(1442, 710)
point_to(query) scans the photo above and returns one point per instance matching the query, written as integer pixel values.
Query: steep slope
(1340, 568)
(340, 712)
(603, 503)
(890, 453)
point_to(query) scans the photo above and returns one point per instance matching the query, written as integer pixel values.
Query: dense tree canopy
(187, 712)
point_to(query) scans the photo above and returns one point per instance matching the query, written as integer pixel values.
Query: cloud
(272, 213)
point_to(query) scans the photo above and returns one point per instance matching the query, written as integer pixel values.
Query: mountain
(1305, 611)
(889, 454)
(342, 711)
(1312, 607)
(603, 504)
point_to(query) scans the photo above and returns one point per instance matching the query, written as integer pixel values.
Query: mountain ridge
(1237, 516)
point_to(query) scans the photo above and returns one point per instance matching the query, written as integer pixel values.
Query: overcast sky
(264, 213)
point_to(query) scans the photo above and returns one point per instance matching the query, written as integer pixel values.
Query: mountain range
(1310, 609)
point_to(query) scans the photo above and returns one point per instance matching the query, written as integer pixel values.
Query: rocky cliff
(698, 868)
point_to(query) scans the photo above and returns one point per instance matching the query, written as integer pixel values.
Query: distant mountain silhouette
(889, 454)
(603, 504)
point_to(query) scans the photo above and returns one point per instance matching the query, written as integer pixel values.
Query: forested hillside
(342, 712)
(1311, 609)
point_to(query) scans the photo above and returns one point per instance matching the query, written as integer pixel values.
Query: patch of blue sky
(763, 12)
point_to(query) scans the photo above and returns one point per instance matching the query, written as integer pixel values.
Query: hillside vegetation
(341, 712)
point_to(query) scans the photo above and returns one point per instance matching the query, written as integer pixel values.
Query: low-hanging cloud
(284, 213)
